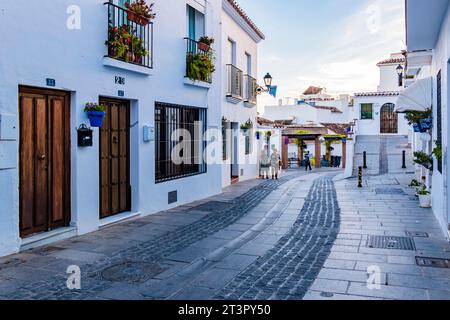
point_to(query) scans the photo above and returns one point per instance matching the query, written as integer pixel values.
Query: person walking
(275, 164)
(307, 162)
(264, 163)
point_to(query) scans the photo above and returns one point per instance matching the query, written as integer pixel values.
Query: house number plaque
(120, 80)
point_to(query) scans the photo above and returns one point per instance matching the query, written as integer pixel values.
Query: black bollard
(360, 175)
(404, 160)
(365, 160)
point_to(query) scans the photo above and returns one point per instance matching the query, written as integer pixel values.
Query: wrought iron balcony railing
(130, 37)
(251, 87)
(235, 89)
(199, 61)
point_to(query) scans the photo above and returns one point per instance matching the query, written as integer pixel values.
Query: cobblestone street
(303, 236)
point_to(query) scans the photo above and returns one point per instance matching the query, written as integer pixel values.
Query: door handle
(42, 157)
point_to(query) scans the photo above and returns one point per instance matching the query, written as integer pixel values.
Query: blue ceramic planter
(426, 123)
(96, 118)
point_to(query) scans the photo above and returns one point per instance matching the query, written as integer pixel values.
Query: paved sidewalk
(190, 252)
(384, 207)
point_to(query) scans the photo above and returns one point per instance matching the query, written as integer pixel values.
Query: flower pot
(258, 135)
(425, 201)
(426, 123)
(96, 118)
(203, 47)
(141, 20)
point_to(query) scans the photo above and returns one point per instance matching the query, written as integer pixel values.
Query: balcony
(199, 63)
(130, 39)
(235, 90)
(250, 90)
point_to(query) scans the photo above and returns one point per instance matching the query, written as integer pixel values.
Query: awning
(417, 97)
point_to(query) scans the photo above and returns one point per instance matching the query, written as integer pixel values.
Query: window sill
(249, 104)
(233, 98)
(114, 63)
(200, 84)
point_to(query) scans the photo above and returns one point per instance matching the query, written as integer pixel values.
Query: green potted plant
(140, 12)
(124, 45)
(414, 184)
(424, 197)
(247, 126)
(200, 67)
(421, 121)
(423, 159)
(96, 113)
(204, 43)
(437, 151)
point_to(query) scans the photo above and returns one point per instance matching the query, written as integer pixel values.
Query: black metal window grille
(366, 111)
(252, 86)
(169, 121)
(439, 114)
(118, 18)
(235, 77)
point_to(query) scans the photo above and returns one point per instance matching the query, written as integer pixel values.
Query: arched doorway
(388, 119)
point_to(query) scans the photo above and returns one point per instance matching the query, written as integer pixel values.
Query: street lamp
(268, 85)
(400, 75)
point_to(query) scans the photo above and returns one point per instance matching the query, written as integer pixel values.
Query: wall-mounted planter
(258, 135)
(96, 118)
(426, 123)
(418, 128)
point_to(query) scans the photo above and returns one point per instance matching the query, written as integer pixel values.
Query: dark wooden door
(389, 119)
(44, 160)
(115, 190)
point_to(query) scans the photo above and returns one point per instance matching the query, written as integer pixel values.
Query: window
(366, 111)
(225, 132)
(179, 143)
(231, 52)
(195, 23)
(247, 144)
(249, 63)
(439, 115)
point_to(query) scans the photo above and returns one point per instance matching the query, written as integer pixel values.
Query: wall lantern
(400, 75)
(84, 136)
(272, 90)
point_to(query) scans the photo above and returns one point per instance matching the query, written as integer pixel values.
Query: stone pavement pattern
(289, 269)
(384, 207)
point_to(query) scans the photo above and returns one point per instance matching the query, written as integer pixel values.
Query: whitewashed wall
(40, 46)
(240, 112)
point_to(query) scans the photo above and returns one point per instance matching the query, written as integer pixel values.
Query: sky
(334, 44)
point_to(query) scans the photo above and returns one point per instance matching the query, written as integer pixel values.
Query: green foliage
(200, 67)
(301, 144)
(414, 184)
(140, 7)
(437, 151)
(92, 106)
(124, 45)
(206, 40)
(414, 117)
(247, 125)
(423, 159)
(422, 191)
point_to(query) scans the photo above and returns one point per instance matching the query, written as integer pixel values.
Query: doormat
(214, 206)
(390, 191)
(433, 262)
(387, 242)
(132, 272)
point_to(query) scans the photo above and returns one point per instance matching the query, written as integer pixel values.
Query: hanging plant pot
(203, 47)
(426, 123)
(141, 20)
(418, 128)
(96, 118)
(258, 135)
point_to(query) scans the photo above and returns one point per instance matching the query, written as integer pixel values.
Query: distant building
(375, 110)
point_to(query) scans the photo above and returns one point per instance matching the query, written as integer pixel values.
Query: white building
(375, 110)
(240, 38)
(428, 32)
(55, 62)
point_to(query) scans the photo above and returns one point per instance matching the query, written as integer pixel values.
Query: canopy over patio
(417, 97)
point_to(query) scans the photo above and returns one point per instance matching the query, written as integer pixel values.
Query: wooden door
(44, 169)
(389, 119)
(115, 190)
